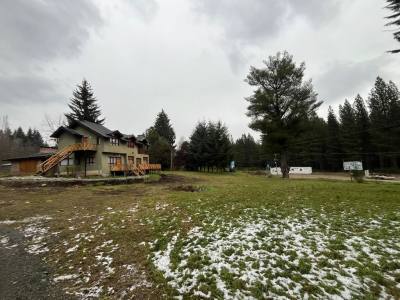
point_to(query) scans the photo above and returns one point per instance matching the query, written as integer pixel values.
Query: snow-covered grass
(249, 237)
(263, 254)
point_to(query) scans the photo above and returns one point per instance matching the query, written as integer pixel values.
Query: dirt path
(22, 275)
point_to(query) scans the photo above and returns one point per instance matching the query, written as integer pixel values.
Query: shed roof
(30, 156)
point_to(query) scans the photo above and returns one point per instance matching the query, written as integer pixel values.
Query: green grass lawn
(215, 236)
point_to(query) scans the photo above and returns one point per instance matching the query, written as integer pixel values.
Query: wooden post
(84, 155)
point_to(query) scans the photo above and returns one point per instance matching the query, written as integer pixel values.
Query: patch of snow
(65, 277)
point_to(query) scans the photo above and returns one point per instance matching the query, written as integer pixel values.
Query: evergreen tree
(164, 128)
(159, 148)
(221, 146)
(182, 156)
(349, 138)
(393, 127)
(198, 148)
(333, 146)
(209, 147)
(363, 127)
(379, 106)
(84, 105)
(19, 137)
(394, 6)
(246, 152)
(281, 104)
(311, 146)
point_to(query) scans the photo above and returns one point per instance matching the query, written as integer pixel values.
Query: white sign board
(293, 170)
(352, 165)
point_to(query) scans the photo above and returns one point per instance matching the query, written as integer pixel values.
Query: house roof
(141, 138)
(94, 127)
(98, 130)
(62, 129)
(30, 156)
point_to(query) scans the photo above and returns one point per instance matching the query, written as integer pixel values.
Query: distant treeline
(17, 142)
(368, 131)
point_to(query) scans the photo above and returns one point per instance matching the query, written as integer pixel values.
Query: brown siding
(28, 166)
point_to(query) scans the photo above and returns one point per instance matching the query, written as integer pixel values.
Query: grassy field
(224, 236)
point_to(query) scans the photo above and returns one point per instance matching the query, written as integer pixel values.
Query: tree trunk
(284, 165)
(381, 161)
(394, 162)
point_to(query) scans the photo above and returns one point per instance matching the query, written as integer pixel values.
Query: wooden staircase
(57, 157)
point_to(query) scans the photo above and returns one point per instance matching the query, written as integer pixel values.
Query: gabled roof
(97, 129)
(94, 127)
(62, 129)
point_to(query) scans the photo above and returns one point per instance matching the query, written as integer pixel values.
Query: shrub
(358, 175)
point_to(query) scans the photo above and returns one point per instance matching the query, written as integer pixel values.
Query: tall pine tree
(83, 105)
(198, 147)
(281, 104)
(347, 131)
(164, 128)
(363, 127)
(333, 146)
(246, 152)
(379, 106)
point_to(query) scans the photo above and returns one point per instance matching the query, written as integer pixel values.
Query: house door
(131, 160)
(118, 161)
(138, 161)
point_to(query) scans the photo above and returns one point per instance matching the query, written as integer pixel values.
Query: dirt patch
(188, 188)
(169, 178)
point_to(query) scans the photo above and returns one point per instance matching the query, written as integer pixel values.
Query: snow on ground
(261, 255)
(94, 280)
(35, 232)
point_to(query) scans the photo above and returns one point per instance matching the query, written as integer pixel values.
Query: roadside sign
(352, 166)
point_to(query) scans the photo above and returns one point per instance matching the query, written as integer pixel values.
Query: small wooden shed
(28, 164)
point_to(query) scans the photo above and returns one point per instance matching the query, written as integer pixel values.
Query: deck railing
(141, 168)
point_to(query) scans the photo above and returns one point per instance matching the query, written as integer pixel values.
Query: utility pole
(172, 158)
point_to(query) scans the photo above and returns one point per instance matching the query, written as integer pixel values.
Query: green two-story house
(86, 148)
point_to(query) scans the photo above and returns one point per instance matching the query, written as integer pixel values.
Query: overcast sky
(188, 57)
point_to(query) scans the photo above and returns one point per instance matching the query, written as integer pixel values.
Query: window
(145, 160)
(67, 161)
(114, 141)
(131, 144)
(98, 141)
(90, 160)
(114, 160)
(138, 161)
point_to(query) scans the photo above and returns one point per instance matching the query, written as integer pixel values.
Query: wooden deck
(137, 170)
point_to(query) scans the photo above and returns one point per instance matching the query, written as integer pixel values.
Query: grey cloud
(253, 21)
(44, 29)
(347, 79)
(34, 34)
(26, 89)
